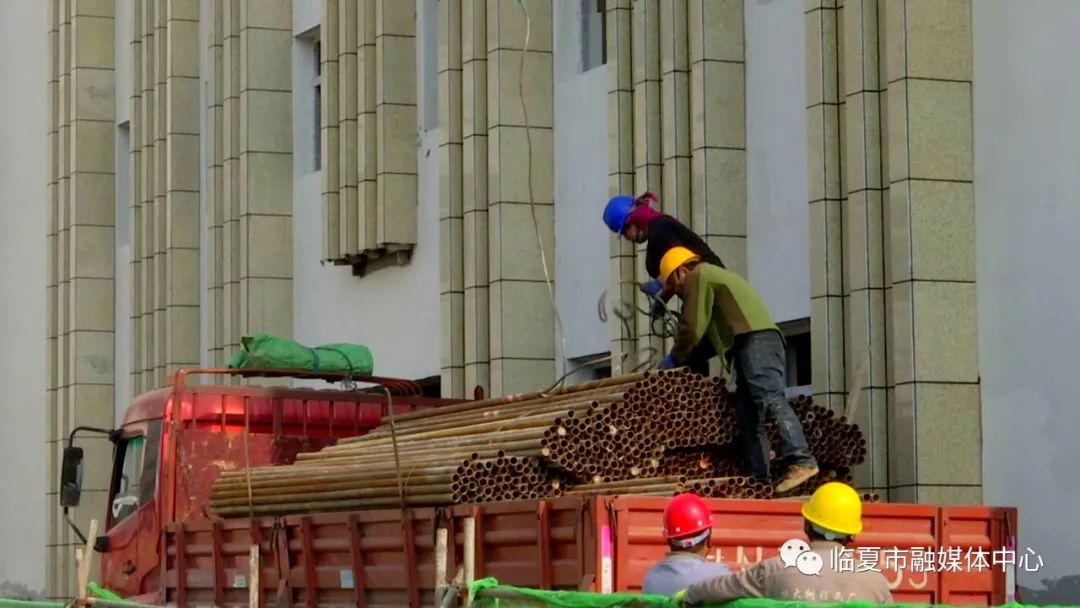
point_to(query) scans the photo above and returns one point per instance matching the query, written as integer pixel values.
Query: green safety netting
(488, 593)
(266, 351)
(94, 590)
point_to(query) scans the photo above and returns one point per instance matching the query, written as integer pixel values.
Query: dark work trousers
(699, 357)
(759, 359)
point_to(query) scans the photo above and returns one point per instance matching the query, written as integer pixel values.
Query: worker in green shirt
(722, 307)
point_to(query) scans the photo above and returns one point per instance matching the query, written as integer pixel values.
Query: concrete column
(396, 125)
(330, 52)
(182, 206)
(649, 119)
(827, 194)
(718, 127)
(348, 88)
(367, 127)
(81, 240)
(215, 183)
(265, 175)
(474, 191)
(935, 423)
(520, 197)
(864, 231)
(53, 349)
(675, 102)
(230, 201)
(161, 175)
(52, 282)
(369, 168)
(143, 171)
(451, 247)
(621, 175)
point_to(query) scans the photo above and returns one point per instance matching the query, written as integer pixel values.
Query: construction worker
(722, 307)
(687, 529)
(635, 220)
(807, 573)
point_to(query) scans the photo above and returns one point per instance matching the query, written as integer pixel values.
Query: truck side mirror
(71, 477)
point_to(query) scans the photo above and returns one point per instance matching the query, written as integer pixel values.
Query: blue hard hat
(616, 212)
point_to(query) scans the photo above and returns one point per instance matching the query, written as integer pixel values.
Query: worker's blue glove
(667, 363)
(652, 288)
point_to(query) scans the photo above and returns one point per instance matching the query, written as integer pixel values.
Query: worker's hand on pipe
(652, 288)
(667, 363)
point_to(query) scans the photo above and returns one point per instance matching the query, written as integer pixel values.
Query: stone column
(935, 422)
(718, 128)
(474, 193)
(624, 351)
(182, 212)
(863, 232)
(520, 196)
(81, 251)
(215, 184)
(827, 194)
(264, 179)
(451, 245)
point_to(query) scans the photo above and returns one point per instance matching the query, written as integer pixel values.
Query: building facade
(427, 178)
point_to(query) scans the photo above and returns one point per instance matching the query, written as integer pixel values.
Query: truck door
(132, 535)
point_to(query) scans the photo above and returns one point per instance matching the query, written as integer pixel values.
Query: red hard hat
(688, 519)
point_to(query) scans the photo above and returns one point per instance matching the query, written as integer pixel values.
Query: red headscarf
(642, 214)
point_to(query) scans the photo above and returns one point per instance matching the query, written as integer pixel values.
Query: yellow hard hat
(835, 507)
(673, 258)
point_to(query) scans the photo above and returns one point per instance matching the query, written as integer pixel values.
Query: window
(135, 476)
(307, 90)
(797, 337)
(593, 34)
(588, 368)
(126, 499)
(427, 48)
(316, 124)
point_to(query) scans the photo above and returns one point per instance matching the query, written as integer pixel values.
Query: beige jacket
(771, 579)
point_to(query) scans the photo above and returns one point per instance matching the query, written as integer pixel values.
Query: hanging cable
(532, 197)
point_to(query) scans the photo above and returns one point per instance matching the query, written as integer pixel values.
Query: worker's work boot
(795, 476)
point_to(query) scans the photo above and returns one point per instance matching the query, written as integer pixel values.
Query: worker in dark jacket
(806, 573)
(688, 530)
(635, 220)
(721, 307)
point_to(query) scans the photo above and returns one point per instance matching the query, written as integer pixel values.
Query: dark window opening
(593, 34)
(317, 122)
(797, 337)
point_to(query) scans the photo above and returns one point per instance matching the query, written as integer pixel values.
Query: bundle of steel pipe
(720, 461)
(832, 439)
(710, 487)
(671, 411)
(503, 478)
(647, 432)
(286, 489)
(727, 487)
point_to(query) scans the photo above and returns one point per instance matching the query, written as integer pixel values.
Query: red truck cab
(176, 440)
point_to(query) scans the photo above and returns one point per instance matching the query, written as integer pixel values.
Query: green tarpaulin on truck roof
(266, 351)
(488, 593)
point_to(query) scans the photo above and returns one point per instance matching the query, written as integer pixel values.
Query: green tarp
(488, 593)
(265, 351)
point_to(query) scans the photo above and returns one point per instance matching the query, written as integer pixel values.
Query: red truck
(161, 544)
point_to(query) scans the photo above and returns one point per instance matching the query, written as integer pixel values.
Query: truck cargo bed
(386, 557)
